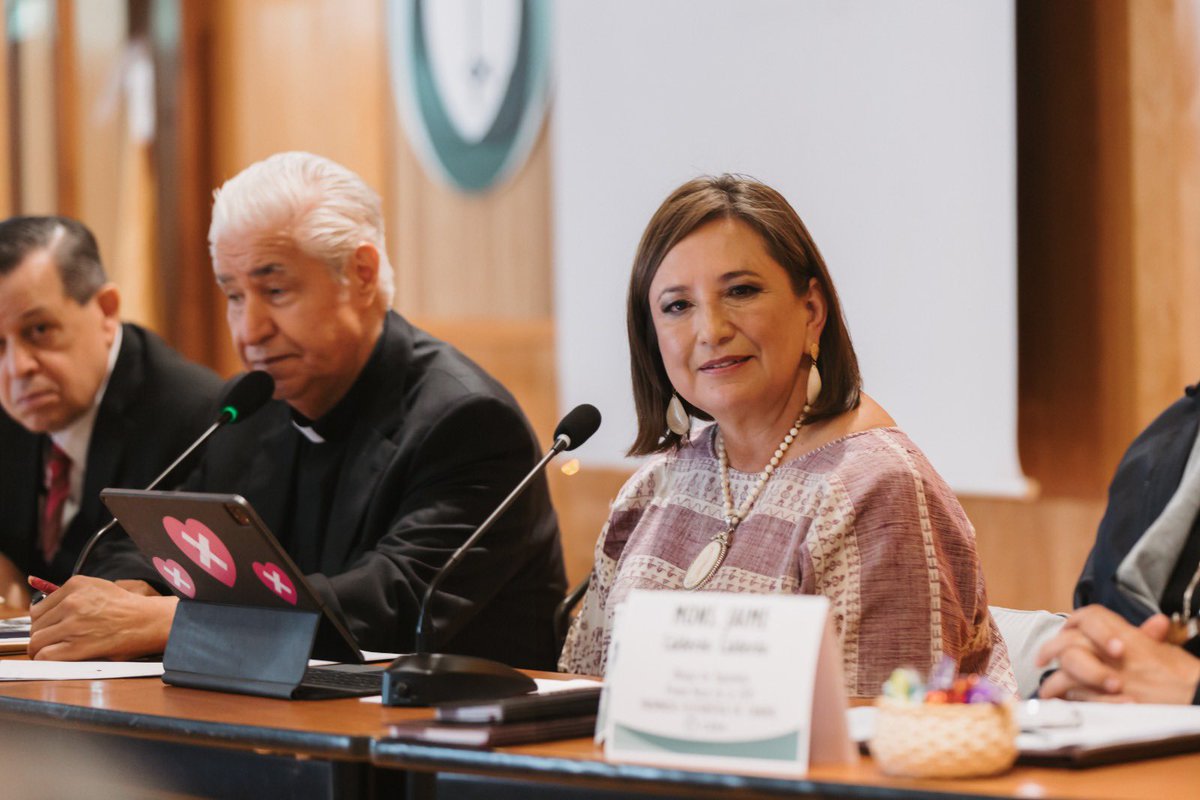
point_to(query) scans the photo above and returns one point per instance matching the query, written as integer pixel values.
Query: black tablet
(214, 548)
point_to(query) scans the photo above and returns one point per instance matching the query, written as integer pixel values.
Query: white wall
(891, 129)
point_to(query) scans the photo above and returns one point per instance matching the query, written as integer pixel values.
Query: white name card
(726, 682)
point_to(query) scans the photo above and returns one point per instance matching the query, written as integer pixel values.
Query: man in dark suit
(1136, 635)
(88, 402)
(382, 452)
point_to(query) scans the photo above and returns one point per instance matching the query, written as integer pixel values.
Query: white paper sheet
(15, 670)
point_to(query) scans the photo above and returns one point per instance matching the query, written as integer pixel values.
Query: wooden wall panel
(1032, 551)
(66, 116)
(6, 172)
(460, 255)
(1165, 147)
(1186, 80)
(35, 164)
(1109, 191)
(185, 169)
(300, 76)
(98, 110)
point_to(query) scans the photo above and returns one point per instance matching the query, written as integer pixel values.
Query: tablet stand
(247, 649)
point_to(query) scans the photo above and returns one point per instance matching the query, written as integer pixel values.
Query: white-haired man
(383, 449)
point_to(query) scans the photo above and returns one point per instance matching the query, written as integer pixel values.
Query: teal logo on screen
(471, 79)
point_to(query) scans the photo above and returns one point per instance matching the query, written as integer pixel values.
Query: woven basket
(956, 740)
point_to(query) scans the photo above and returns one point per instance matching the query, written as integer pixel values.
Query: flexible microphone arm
(98, 535)
(422, 678)
(244, 396)
(422, 643)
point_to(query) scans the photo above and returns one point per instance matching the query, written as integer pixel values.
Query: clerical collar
(340, 419)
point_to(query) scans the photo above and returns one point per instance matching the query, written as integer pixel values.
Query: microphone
(576, 427)
(424, 678)
(244, 396)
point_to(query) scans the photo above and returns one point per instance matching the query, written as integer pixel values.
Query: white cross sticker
(206, 555)
(273, 577)
(175, 574)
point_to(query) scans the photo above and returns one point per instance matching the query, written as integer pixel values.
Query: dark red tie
(58, 486)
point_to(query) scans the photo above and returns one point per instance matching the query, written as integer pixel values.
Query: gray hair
(326, 209)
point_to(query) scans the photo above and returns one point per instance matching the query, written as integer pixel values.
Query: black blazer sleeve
(1145, 480)
(434, 494)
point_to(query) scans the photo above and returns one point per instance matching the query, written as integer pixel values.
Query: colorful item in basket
(954, 726)
(945, 686)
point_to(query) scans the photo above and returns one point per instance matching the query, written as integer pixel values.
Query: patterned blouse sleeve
(586, 648)
(900, 569)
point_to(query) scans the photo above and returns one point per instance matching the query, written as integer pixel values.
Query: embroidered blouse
(864, 521)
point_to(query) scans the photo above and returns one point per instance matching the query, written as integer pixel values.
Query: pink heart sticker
(203, 547)
(275, 579)
(176, 576)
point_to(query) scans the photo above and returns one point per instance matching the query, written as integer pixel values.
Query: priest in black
(110, 402)
(382, 452)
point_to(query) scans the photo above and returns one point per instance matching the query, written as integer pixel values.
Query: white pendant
(706, 563)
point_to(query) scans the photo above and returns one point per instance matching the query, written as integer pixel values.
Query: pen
(42, 588)
(42, 585)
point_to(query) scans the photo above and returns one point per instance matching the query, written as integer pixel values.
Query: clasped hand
(1102, 657)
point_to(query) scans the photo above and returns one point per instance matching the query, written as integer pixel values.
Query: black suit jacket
(1146, 478)
(155, 404)
(438, 447)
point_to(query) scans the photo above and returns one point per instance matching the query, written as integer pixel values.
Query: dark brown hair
(692, 205)
(72, 246)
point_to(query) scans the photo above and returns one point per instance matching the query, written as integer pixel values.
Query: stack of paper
(14, 635)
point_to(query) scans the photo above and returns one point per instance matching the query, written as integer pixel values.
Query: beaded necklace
(710, 558)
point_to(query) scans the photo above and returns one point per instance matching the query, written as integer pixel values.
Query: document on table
(15, 670)
(14, 635)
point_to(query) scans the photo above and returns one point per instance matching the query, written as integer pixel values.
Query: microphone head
(578, 425)
(246, 395)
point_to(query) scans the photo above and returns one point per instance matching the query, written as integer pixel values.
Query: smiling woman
(801, 483)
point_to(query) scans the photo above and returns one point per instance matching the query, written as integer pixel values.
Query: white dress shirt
(75, 438)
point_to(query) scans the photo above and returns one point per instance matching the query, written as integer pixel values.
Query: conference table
(140, 737)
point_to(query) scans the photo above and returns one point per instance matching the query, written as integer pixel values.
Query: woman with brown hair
(771, 470)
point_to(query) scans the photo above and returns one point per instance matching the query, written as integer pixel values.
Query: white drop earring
(814, 379)
(678, 421)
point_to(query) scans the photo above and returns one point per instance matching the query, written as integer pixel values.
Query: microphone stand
(424, 678)
(423, 644)
(228, 414)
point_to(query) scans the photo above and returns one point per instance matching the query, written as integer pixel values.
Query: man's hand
(1103, 657)
(138, 587)
(89, 618)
